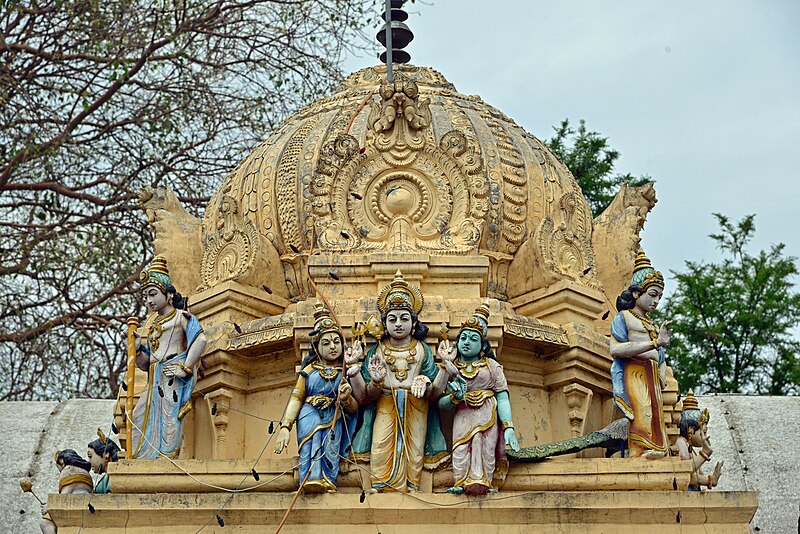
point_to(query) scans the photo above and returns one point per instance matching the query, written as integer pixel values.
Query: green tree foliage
(733, 321)
(591, 160)
(100, 99)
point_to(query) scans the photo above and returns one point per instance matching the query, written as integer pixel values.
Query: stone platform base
(617, 512)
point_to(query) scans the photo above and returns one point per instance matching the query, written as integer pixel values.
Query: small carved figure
(173, 344)
(482, 425)
(74, 478)
(100, 453)
(638, 372)
(694, 428)
(324, 434)
(400, 432)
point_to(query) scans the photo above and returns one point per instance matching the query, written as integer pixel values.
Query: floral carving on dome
(403, 191)
(566, 248)
(228, 252)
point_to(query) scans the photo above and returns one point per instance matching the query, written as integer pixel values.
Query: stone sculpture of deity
(73, 477)
(396, 384)
(694, 428)
(324, 434)
(638, 372)
(100, 453)
(172, 346)
(482, 425)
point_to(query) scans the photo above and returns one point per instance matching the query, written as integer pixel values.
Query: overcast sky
(702, 96)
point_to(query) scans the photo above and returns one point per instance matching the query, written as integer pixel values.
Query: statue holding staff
(323, 435)
(172, 346)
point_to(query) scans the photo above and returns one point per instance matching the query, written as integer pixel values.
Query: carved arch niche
(234, 250)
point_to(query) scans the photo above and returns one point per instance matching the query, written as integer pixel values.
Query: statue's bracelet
(454, 399)
(508, 424)
(705, 456)
(286, 425)
(185, 368)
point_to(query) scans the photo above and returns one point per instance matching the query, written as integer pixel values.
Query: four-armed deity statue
(398, 385)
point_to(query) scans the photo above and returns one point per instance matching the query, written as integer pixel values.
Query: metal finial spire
(396, 39)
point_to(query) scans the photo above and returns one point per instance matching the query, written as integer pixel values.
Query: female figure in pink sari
(482, 425)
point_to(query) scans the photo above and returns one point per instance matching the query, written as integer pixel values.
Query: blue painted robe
(319, 447)
(155, 414)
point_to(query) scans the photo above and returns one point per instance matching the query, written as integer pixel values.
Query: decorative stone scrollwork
(578, 398)
(230, 251)
(402, 192)
(566, 248)
(218, 402)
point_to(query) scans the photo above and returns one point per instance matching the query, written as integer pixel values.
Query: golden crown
(399, 294)
(156, 275)
(478, 322)
(644, 275)
(690, 401)
(323, 322)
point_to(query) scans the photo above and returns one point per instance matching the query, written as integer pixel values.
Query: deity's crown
(690, 403)
(644, 275)
(479, 322)
(399, 294)
(323, 322)
(156, 275)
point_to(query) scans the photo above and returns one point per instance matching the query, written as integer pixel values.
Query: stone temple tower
(415, 176)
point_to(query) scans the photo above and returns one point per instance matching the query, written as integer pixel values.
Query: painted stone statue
(694, 427)
(395, 384)
(173, 344)
(74, 477)
(482, 424)
(100, 453)
(638, 372)
(324, 433)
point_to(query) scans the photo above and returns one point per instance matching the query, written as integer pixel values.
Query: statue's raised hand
(664, 334)
(447, 352)
(352, 355)
(419, 386)
(376, 369)
(713, 478)
(282, 440)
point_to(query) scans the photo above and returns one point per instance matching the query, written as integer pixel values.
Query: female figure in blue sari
(173, 344)
(324, 433)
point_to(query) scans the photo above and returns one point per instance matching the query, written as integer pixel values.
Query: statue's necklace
(470, 369)
(154, 334)
(328, 373)
(400, 359)
(648, 323)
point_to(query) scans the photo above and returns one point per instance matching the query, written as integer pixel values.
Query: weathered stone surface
(31, 434)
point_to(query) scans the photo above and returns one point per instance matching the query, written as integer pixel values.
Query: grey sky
(702, 96)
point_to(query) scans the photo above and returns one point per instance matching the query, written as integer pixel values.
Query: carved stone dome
(414, 167)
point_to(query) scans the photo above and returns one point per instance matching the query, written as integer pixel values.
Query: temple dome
(415, 167)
